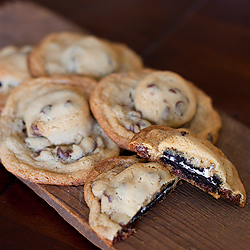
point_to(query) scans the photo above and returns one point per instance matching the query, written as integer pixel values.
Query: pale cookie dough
(48, 134)
(125, 103)
(120, 191)
(13, 69)
(165, 99)
(75, 53)
(192, 159)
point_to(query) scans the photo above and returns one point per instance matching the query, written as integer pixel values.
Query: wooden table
(206, 41)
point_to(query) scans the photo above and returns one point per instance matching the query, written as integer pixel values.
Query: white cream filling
(206, 172)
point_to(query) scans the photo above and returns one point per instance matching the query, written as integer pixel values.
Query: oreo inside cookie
(184, 169)
(127, 229)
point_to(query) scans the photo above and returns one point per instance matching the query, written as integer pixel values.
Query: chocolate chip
(143, 124)
(108, 196)
(134, 128)
(67, 103)
(165, 113)
(37, 153)
(94, 146)
(142, 151)
(183, 133)
(46, 109)
(64, 154)
(34, 130)
(1, 84)
(174, 90)
(180, 108)
(152, 85)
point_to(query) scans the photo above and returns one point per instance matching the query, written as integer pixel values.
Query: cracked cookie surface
(125, 103)
(48, 134)
(121, 190)
(192, 159)
(75, 53)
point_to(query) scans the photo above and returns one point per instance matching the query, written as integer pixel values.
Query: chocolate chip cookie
(121, 190)
(13, 69)
(192, 159)
(125, 103)
(75, 53)
(48, 134)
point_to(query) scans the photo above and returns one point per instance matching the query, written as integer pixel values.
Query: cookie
(75, 53)
(48, 134)
(13, 69)
(125, 103)
(121, 190)
(195, 160)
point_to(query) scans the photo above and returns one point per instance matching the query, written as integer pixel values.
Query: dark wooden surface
(206, 41)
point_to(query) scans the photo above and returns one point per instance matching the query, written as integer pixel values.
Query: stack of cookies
(80, 110)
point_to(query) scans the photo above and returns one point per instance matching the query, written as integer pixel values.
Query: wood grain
(33, 224)
(188, 218)
(28, 23)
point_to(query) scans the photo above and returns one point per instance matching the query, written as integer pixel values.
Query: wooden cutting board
(186, 219)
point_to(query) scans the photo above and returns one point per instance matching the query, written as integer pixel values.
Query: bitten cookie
(13, 69)
(75, 53)
(192, 159)
(48, 134)
(125, 103)
(121, 190)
